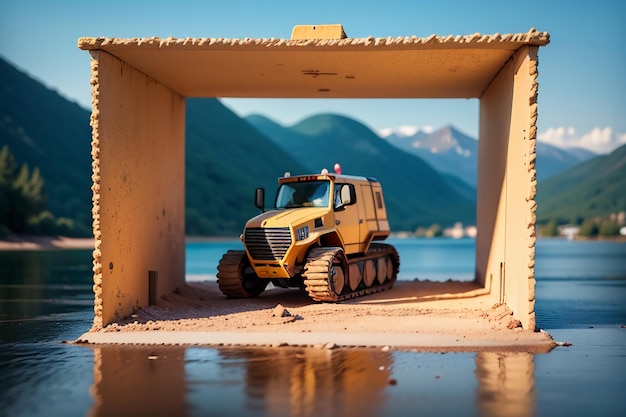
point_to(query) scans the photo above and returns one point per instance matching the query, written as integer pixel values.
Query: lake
(46, 298)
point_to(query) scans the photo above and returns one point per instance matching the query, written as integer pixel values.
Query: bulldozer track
(321, 274)
(232, 279)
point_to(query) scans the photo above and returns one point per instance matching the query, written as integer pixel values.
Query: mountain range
(416, 194)
(452, 152)
(227, 157)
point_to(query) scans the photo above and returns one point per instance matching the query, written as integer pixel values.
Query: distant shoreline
(23, 243)
(42, 243)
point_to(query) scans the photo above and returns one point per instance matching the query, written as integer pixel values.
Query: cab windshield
(303, 194)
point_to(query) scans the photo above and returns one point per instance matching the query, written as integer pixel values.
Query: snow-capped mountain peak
(453, 152)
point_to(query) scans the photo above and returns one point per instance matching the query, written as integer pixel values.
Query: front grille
(267, 244)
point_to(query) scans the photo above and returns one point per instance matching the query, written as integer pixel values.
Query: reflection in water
(138, 381)
(314, 382)
(46, 297)
(131, 381)
(40, 283)
(506, 384)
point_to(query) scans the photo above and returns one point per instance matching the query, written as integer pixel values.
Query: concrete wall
(139, 188)
(505, 245)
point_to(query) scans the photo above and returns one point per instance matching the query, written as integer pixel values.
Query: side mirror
(346, 195)
(259, 199)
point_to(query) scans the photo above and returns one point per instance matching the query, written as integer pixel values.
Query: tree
(8, 171)
(588, 228)
(22, 201)
(8, 166)
(609, 229)
(27, 200)
(434, 230)
(550, 229)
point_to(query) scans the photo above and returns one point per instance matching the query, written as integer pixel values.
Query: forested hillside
(593, 192)
(45, 168)
(227, 159)
(50, 135)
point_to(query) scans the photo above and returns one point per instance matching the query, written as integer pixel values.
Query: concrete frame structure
(139, 88)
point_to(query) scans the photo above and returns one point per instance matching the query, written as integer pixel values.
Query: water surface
(46, 297)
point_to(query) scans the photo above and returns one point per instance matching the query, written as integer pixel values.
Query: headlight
(302, 233)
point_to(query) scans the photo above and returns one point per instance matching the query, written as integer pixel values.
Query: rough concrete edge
(416, 342)
(532, 37)
(95, 188)
(531, 158)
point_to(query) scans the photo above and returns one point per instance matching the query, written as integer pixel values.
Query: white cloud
(383, 133)
(599, 140)
(404, 131)
(558, 136)
(408, 130)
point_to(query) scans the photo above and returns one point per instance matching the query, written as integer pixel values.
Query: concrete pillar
(505, 245)
(138, 151)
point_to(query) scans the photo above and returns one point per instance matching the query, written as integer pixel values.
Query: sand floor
(415, 315)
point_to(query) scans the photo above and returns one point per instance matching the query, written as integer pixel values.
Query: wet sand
(414, 315)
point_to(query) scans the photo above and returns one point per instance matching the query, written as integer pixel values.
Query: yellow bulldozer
(319, 236)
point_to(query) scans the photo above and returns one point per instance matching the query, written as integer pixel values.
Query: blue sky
(582, 82)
